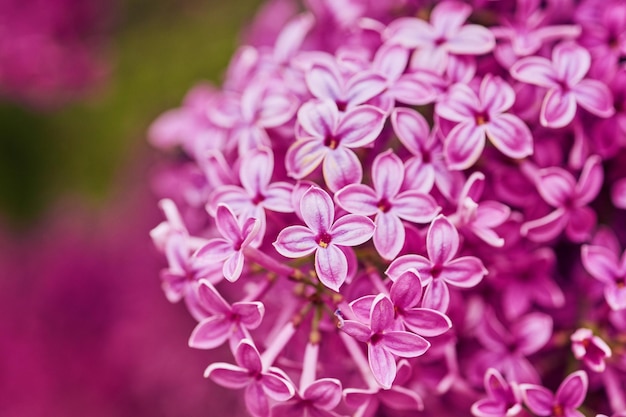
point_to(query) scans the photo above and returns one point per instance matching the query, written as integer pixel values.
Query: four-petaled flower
(591, 349)
(503, 399)
(568, 398)
(316, 400)
(388, 204)
(564, 79)
(603, 264)
(324, 236)
(383, 341)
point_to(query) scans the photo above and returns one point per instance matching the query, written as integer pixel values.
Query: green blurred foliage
(158, 50)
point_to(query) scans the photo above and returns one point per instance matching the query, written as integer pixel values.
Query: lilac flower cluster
(406, 205)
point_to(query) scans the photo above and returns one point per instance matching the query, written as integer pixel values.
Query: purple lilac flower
(568, 398)
(503, 399)
(591, 349)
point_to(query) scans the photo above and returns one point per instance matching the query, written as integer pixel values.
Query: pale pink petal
(276, 388)
(595, 97)
(304, 156)
(247, 356)
(407, 262)
(590, 181)
(573, 390)
(381, 314)
(324, 81)
(233, 196)
(226, 223)
(495, 94)
(358, 199)
(406, 291)
(437, 296)
(539, 399)
(360, 126)
(277, 108)
(325, 393)
(256, 171)
(471, 40)
(355, 397)
(211, 300)
(558, 109)
(464, 145)
(401, 398)
(351, 230)
(364, 86)
(582, 221)
(532, 332)
(383, 365)
(411, 128)
(278, 197)
(256, 400)
(233, 266)
(210, 333)
(341, 167)
(362, 306)
(442, 241)
(331, 266)
(415, 89)
(389, 235)
(227, 375)
(464, 272)
(215, 250)
(405, 344)
(387, 173)
(510, 135)
(556, 186)
(410, 32)
(459, 105)
(571, 62)
(391, 60)
(415, 206)
(420, 176)
(357, 330)
(318, 118)
(491, 214)
(426, 322)
(547, 227)
(448, 16)
(535, 70)
(601, 263)
(250, 313)
(615, 297)
(317, 209)
(296, 242)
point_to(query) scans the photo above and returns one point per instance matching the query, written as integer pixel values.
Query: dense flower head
(408, 205)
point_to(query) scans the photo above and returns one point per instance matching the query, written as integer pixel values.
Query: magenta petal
(364, 86)
(405, 344)
(391, 60)
(324, 81)
(401, 398)
(233, 196)
(381, 314)
(464, 145)
(406, 291)
(442, 241)
(590, 181)
(317, 210)
(415, 206)
(226, 223)
(358, 199)
(352, 230)
(411, 128)
(601, 263)
(426, 322)
(256, 400)
(582, 221)
(215, 250)
(233, 266)
(247, 356)
(324, 393)
(211, 300)
(414, 89)
(421, 177)
(210, 333)
(547, 227)
(495, 94)
(532, 332)
(361, 308)
(535, 70)
(489, 408)
(360, 126)
(257, 172)
(318, 118)
(357, 330)
(595, 97)
(556, 186)
(615, 297)
(571, 62)
(304, 156)
(278, 197)
(355, 397)
(383, 365)
(331, 266)
(295, 242)
(573, 390)
(227, 375)
(250, 313)
(387, 173)
(276, 388)
(459, 105)
(410, 32)
(510, 135)
(408, 262)
(471, 40)
(464, 272)
(389, 235)
(539, 399)
(558, 109)
(449, 16)
(341, 168)
(437, 296)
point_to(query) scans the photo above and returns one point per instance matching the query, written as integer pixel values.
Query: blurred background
(84, 327)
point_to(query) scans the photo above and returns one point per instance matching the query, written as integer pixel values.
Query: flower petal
(408, 262)
(278, 197)
(358, 199)
(210, 333)
(341, 168)
(256, 171)
(442, 241)
(383, 365)
(250, 313)
(426, 322)
(406, 291)
(295, 242)
(495, 94)
(471, 40)
(303, 156)
(532, 332)
(547, 227)
(582, 221)
(387, 174)
(389, 235)
(459, 105)
(317, 210)
(318, 118)
(595, 97)
(590, 181)
(464, 145)
(360, 126)
(437, 296)
(331, 266)
(464, 272)
(539, 399)
(381, 314)
(226, 223)
(324, 81)
(247, 356)
(535, 70)
(324, 393)
(601, 263)
(364, 86)
(401, 398)
(211, 299)
(357, 330)
(558, 109)
(415, 206)
(573, 390)
(277, 388)
(571, 62)
(405, 344)
(411, 128)
(510, 135)
(556, 186)
(256, 400)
